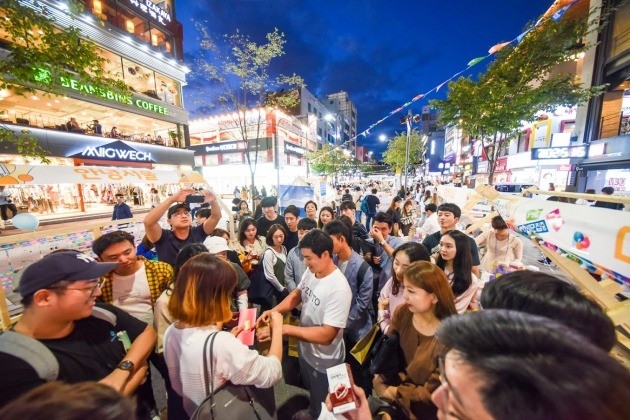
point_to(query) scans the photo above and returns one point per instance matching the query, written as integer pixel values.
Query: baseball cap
(268, 202)
(216, 244)
(176, 207)
(66, 265)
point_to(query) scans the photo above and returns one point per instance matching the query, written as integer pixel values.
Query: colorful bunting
(477, 60)
(498, 47)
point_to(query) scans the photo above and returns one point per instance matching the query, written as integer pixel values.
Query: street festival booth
(583, 241)
(297, 193)
(17, 251)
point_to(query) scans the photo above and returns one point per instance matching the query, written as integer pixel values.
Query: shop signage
(46, 77)
(213, 148)
(291, 148)
(151, 9)
(564, 152)
(566, 168)
(482, 167)
(117, 151)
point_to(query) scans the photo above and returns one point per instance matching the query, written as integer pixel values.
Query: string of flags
(493, 50)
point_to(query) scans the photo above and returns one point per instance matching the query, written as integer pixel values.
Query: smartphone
(193, 198)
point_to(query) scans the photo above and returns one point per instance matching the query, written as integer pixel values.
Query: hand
(182, 194)
(376, 260)
(376, 234)
(276, 320)
(263, 334)
(117, 379)
(382, 389)
(209, 196)
(236, 331)
(363, 409)
(383, 304)
(265, 318)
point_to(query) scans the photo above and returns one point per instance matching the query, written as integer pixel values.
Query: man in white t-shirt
(326, 298)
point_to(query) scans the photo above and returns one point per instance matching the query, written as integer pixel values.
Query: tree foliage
(519, 84)
(239, 71)
(330, 161)
(395, 155)
(41, 55)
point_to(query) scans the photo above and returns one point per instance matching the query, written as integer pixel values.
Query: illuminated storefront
(221, 150)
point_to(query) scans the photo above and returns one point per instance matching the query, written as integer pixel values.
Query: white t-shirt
(324, 301)
(132, 295)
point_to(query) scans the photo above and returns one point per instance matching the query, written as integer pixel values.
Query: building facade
(345, 112)
(142, 41)
(228, 147)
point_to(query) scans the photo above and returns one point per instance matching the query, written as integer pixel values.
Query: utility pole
(408, 121)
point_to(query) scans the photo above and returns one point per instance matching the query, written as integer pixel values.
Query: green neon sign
(44, 76)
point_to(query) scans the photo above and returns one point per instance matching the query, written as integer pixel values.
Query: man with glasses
(62, 334)
(169, 242)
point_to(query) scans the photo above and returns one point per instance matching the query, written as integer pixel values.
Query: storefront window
(232, 158)
(54, 112)
(620, 39)
(615, 112)
(168, 90)
(161, 40)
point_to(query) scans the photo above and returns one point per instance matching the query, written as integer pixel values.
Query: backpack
(36, 354)
(364, 205)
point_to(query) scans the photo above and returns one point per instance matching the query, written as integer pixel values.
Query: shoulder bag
(232, 401)
(387, 356)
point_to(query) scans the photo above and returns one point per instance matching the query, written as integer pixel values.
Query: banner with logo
(596, 238)
(49, 174)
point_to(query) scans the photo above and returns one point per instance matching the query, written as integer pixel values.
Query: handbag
(361, 350)
(232, 401)
(387, 356)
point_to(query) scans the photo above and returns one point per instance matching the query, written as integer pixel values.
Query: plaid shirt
(159, 275)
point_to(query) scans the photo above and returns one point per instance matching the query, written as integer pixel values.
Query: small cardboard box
(340, 389)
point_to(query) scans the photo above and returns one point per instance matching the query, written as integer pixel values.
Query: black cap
(176, 207)
(268, 202)
(67, 265)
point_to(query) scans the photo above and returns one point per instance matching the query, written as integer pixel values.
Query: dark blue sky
(382, 52)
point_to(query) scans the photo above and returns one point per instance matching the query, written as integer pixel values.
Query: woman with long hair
(326, 214)
(274, 261)
(407, 218)
(391, 296)
(428, 301)
(500, 245)
(243, 211)
(250, 246)
(455, 259)
(394, 212)
(201, 305)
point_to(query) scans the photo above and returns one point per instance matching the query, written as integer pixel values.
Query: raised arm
(151, 226)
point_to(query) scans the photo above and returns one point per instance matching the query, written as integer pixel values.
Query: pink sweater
(385, 316)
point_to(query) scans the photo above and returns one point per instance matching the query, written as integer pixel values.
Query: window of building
(309, 107)
(134, 25)
(615, 111)
(53, 112)
(620, 36)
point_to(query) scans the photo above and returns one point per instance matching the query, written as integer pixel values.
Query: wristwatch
(383, 242)
(126, 365)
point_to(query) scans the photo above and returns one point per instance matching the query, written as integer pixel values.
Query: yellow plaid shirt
(159, 275)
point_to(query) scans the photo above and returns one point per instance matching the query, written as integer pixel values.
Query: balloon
(25, 221)
(578, 236)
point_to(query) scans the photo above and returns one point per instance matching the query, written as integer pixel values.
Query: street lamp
(382, 137)
(408, 119)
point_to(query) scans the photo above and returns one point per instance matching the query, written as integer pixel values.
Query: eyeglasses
(98, 283)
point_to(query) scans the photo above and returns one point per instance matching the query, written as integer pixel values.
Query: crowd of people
(527, 345)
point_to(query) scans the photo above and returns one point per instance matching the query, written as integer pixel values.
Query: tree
(239, 69)
(42, 56)
(518, 85)
(331, 161)
(395, 155)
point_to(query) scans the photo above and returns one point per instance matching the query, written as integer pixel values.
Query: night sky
(382, 52)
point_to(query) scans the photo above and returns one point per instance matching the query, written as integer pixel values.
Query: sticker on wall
(533, 214)
(555, 219)
(581, 241)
